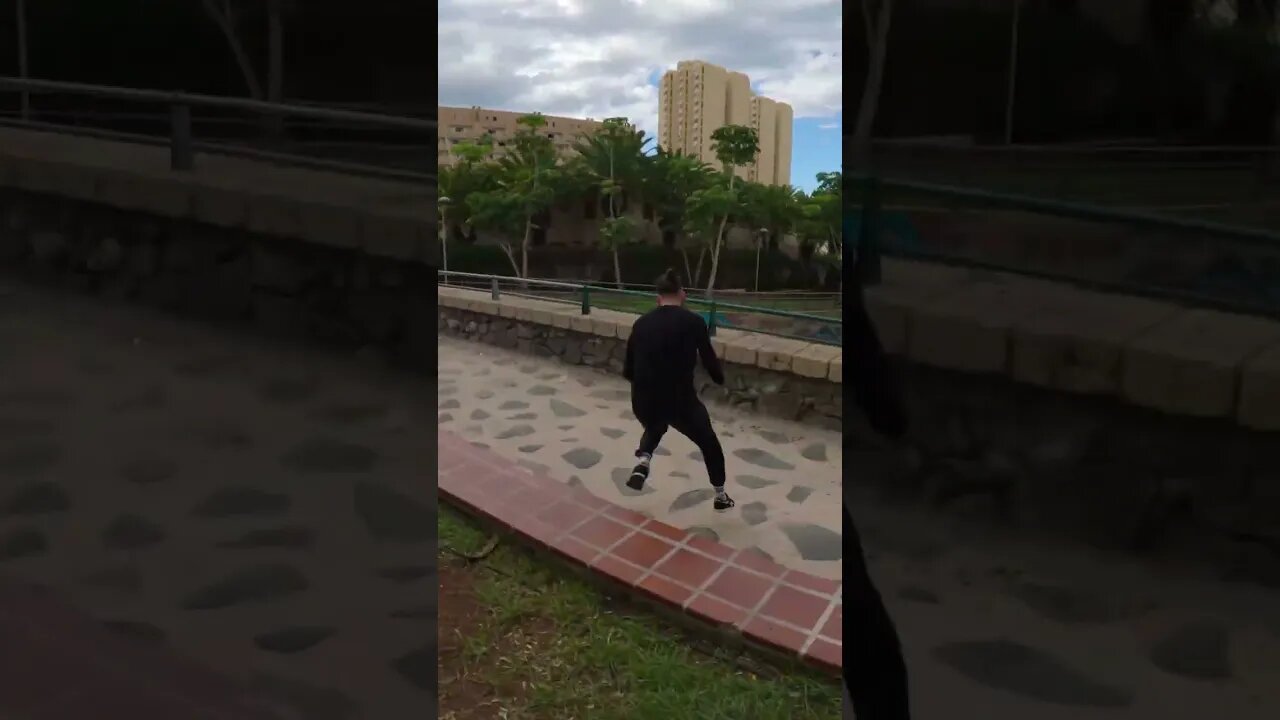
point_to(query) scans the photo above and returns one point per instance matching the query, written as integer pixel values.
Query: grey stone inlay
(799, 493)
(562, 409)
(289, 390)
(37, 498)
(137, 630)
(305, 701)
(293, 639)
(204, 366)
(11, 427)
(816, 452)
(484, 394)
(1197, 650)
(37, 398)
(151, 397)
(751, 482)
(418, 667)
(542, 390)
(147, 470)
(704, 532)
(253, 584)
(223, 435)
(443, 418)
(1028, 672)
(582, 458)
(911, 593)
(289, 536)
(691, 498)
(393, 516)
(619, 476)
(763, 458)
(814, 542)
(524, 416)
(123, 579)
(776, 438)
(446, 390)
(132, 532)
(1062, 604)
(450, 404)
(755, 513)
(479, 414)
(514, 431)
(231, 501)
(353, 413)
(28, 459)
(405, 573)
(533, 467)
(529, 448)
(329, 455)
(612, 432)
(611, 394)
(22, 542)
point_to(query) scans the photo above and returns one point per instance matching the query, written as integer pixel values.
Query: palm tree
(671, 180)
(613, 159)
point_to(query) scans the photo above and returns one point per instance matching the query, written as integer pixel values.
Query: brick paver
(729, 589)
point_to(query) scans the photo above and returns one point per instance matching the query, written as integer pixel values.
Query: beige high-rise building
(457, 124)
(697, 98)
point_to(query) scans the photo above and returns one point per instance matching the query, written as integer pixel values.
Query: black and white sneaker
(638, 476)
(723, 502)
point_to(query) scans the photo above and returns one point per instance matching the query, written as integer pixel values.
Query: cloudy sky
(603, 58)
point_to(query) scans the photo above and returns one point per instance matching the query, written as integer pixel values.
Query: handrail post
(586, 299)
(180, 153)
(493, 287)
(868, 251)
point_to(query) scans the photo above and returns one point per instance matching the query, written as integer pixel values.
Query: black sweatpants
(689, 417)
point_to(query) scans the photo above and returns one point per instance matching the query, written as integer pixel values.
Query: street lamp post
(762, 235)
(443, 204)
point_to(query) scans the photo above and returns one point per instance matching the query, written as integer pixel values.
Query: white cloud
(595, 58)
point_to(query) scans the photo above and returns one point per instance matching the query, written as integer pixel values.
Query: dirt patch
(468, 686)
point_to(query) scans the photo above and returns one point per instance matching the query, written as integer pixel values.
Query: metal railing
(867, 225)
(182, 144)
(588, 295)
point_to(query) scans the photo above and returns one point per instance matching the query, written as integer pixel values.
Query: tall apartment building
(458, 124)
(697, 98)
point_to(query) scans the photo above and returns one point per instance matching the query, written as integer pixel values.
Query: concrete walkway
(266, 511)
(575, 424)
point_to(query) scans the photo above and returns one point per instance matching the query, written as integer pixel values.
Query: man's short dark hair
(668, 283)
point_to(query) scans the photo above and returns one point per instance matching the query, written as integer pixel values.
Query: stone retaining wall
(1128, 422)
(285, 286)
(784, 378)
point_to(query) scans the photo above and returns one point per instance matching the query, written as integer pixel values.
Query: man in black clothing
(662, 351)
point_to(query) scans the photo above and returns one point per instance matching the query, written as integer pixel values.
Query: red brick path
(739, 590)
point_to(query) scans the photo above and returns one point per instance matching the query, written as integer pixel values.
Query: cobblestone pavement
(264, 510)
(575, 424)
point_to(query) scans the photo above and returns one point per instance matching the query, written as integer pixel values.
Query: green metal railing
(867, 226)
(585, 294)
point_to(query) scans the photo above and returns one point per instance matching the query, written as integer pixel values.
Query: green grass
(574, 654)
